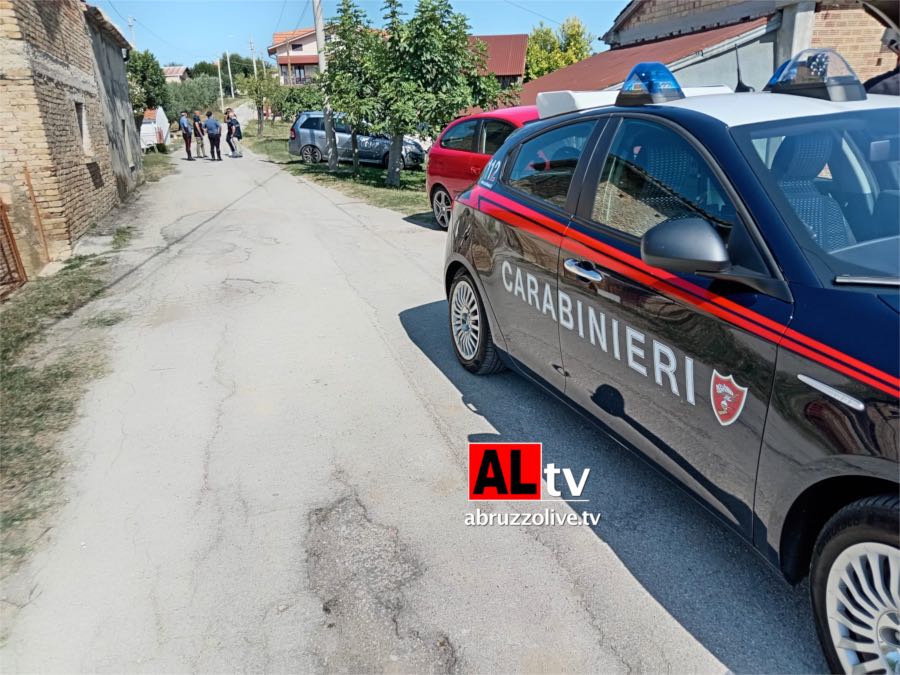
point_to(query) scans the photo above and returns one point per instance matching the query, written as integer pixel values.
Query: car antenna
(741, 87)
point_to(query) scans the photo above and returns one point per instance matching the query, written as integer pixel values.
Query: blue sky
(187, 31)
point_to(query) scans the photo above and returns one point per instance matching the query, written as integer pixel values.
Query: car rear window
(313, 123)
(493, 135)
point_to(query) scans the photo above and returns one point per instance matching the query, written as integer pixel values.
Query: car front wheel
(469, 329)
(441, 206)
(855, 587)
(311, 154)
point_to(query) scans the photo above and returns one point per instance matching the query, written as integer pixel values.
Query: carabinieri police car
(714, 278)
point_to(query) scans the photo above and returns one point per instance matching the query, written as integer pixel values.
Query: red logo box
(505, 471)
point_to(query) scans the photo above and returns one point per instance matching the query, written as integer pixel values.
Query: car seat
(797, 163)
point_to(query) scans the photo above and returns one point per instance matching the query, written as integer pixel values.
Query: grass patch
(122, 236)
(408, 199)
(39, 400)
(157, 165)
(105, 319)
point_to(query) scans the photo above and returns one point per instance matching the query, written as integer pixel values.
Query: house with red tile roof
(296, 54)
(176, 73)
(505, 56)
(703, 41)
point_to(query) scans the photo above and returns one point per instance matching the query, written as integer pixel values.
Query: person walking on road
(185, 126)
(236, 135)
(198, 134)
(214, 131)
(228, 113)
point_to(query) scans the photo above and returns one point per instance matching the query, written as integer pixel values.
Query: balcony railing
(296, 80)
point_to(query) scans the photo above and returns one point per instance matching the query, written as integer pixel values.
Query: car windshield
(836, 180)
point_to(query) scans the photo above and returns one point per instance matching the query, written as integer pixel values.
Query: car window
(341, 127)
(544, 166)
(313, 123)
(835, 180)
(493, 134)
(652, 174)
(460, 136)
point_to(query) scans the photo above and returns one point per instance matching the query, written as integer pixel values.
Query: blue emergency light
(817, 73)
(649, 82)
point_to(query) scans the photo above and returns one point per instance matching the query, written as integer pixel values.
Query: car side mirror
(689, 245)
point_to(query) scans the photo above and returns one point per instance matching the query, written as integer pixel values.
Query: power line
(153, 33)
(280, 14)
(531, 11)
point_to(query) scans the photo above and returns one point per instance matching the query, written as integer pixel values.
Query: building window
(297, 47)
(83, 133)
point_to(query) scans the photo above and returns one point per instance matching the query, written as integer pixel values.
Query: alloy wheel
(863, 608)
(311, 154)
(442, 206)
(465, 320)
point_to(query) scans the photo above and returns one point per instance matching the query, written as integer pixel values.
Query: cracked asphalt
(272, 477)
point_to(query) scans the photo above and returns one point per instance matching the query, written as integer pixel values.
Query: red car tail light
(293, 134)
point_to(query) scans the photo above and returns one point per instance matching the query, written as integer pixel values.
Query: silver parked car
(308, 141)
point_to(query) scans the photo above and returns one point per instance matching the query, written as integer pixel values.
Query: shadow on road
(424, 219)
(703, 574)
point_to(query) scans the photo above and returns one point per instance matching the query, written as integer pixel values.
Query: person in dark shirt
(235, 126)
(228, 113)
(198, 134)
(889, 82)
(185, 125)
(214, 132)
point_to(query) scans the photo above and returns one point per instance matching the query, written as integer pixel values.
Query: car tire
(441, 206)
(310, 154)
(470, 332)
(855, 586)
(386, 160)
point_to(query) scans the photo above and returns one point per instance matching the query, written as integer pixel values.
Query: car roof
(518, 114)
(752, 107)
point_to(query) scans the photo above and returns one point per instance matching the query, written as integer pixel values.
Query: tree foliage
(427, 73)
(197, 93)
(259, 90)
(241, 66)
(350, 81)
(146, 83)
(549, 50)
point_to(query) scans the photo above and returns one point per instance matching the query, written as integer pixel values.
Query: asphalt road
(272, 476)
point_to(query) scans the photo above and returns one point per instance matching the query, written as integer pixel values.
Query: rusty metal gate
(12, 274)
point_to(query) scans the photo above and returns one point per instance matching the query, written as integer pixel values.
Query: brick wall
(46, 73)
(857, 37)
(658, 10)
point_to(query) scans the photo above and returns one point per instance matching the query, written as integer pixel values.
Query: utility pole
(230, 78)
(253, 57)
(330, 141)
(221, 93)
(131, 28)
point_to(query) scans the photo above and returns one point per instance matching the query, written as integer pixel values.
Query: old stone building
(69, 148)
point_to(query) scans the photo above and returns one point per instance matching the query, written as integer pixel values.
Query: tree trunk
(331, 149)
(354, 147)
(259, 122)
(395, 161)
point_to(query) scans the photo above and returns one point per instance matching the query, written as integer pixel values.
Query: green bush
(197, 93)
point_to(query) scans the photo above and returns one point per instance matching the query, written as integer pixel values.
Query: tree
(350, 80)
(428, 72)
(549, 50)
(146, 83)
(259, 89)
(302, 97)
(197, 93)
(240, 66)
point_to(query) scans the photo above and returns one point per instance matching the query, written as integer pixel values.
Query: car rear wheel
(855, 587)
(441, 206)
(311, 154)
(472, 340)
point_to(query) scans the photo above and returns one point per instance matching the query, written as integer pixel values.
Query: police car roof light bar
(818, 73)
(649, 82)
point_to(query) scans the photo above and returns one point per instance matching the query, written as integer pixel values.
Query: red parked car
(459, 154)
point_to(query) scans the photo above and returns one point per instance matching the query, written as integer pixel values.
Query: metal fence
(12, 273)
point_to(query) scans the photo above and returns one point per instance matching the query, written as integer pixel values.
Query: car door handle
(577, 267)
